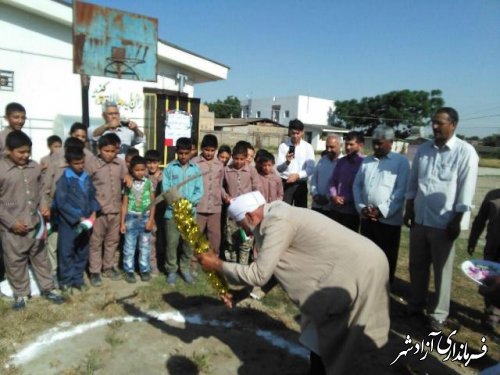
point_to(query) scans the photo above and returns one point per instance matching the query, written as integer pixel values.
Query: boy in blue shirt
(177, 171)
(75, 204)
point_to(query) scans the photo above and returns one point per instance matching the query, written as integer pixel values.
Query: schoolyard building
(36, 70)
(313, 112)
(260, 132)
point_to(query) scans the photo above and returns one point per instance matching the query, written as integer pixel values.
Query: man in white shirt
(379, 194)
(320, 179)
(295, 165)
(128, 131)
(439, 200)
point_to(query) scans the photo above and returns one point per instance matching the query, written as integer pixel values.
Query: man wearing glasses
(128, 131)
(439, 200)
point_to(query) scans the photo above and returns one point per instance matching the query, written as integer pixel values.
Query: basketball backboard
(112, 43)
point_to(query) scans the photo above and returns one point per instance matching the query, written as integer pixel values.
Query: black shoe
(436, 325)
(130, 278)
(95, 279)
(53, 297)
(112, 274)
(146, 276)
(19, 303)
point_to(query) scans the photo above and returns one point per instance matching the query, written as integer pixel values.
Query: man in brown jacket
(338, 278)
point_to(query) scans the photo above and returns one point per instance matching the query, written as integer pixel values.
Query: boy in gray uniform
(107, 173)
(21, 226)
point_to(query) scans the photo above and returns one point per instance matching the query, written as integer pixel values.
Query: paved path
(484, 171)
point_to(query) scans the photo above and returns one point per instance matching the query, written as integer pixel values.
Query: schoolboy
(107, 172)
(224, 154)
(129, 154)
(155, 174)
(239, 178)
(78, 130)
(74, 203)
(15, 115)
(54, 171)
(177, 171)
(137, 221)
(54, 143)
(21, 224)
(210, 207)
(272, 187)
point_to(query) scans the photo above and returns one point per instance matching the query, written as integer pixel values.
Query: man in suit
(338, 278)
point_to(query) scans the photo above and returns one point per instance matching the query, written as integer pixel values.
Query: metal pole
(85, 81)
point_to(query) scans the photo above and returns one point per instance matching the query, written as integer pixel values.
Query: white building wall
(313, 110)
(39, 52)
(310, 110)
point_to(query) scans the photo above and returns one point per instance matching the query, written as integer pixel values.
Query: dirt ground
(206, 338)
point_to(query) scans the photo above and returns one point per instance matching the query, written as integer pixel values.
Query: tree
(229, 108)
(399, 109)
(492, 140)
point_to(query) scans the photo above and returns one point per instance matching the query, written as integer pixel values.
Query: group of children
(72, 211)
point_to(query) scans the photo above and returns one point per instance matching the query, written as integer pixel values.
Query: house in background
(312, 111)
(260, 132)
(36, 69)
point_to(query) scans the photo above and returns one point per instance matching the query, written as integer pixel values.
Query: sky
(343, 49)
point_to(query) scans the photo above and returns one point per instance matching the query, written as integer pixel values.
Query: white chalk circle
(223, 343)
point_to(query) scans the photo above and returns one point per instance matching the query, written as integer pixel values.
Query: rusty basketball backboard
(112, 43)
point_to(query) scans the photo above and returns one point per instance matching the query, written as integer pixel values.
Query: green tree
(229, 108)
(492, 140)
(399, 109)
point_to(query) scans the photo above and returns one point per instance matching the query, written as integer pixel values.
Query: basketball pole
(85, 81)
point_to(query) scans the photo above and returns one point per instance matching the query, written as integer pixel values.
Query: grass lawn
(489, 162)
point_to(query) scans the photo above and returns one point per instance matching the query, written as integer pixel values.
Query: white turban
(248, 202)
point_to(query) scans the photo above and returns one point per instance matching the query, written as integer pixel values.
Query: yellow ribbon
(188, 228)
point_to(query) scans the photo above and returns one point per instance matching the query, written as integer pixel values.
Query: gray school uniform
(210, 207)
(236, 183)
(272, 187)
(240, 181)
(3, 136)
(107, 179)
(19, 201)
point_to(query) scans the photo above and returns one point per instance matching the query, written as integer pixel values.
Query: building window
(6, 80)
(258, 114)
(287, 114)
(275, 113)
(308, 136)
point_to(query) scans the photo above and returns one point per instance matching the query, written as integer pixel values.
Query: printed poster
(177, 124)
